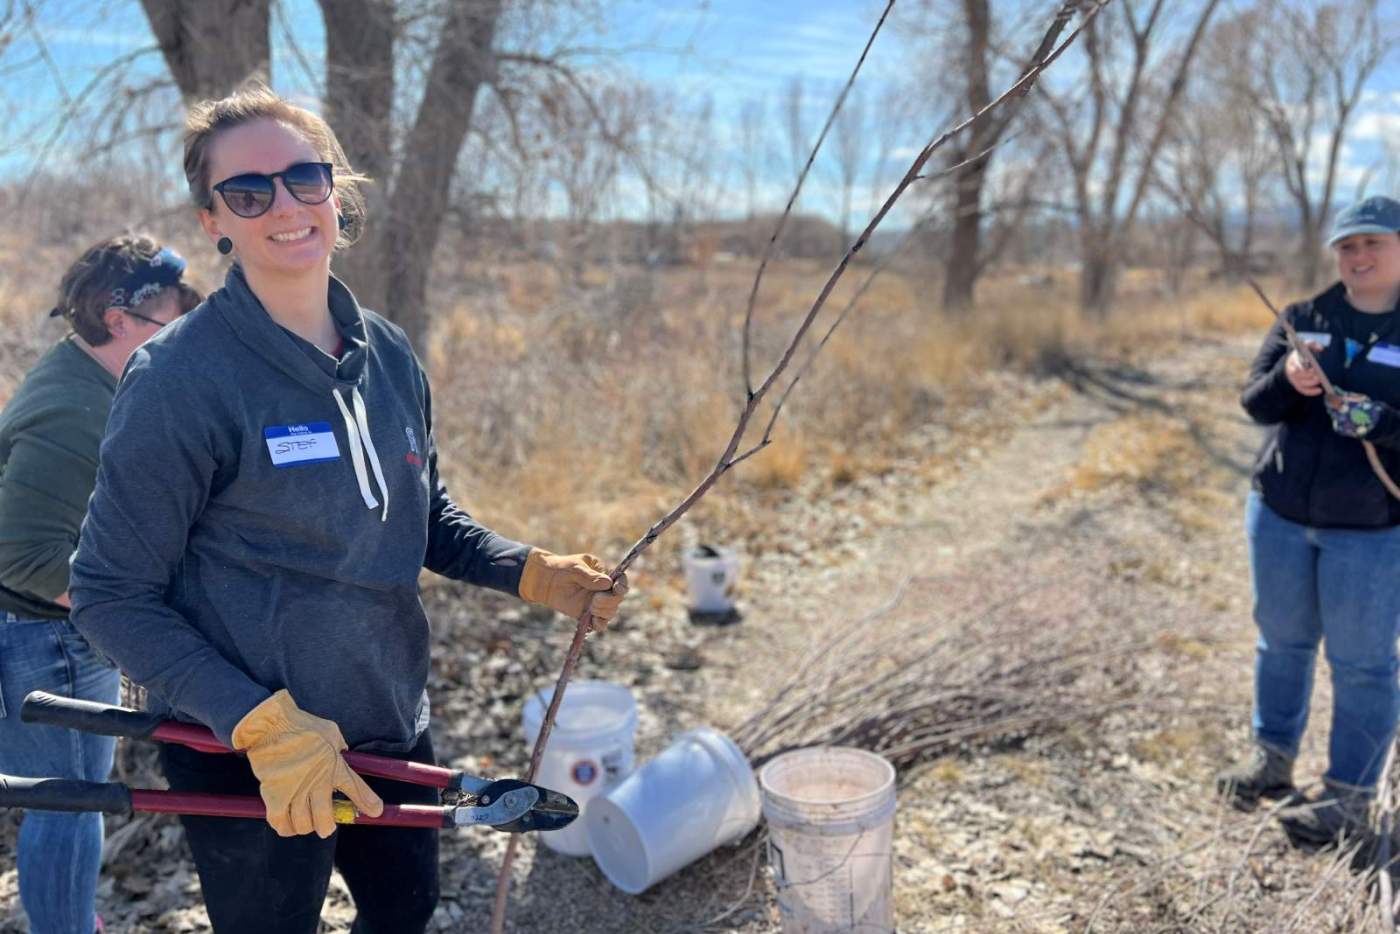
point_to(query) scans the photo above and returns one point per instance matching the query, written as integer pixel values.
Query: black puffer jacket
(1305, 471)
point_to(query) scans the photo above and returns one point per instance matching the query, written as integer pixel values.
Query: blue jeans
(59, 854)
(1341, 587)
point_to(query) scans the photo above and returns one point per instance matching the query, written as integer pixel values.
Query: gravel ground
(1103, 505)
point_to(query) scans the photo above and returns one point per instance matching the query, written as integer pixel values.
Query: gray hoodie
(260, 519)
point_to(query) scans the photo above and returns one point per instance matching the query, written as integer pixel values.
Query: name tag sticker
(293, 445)
(1384, 354)
(1322, 337)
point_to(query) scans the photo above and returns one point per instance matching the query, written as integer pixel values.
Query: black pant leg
(252, 879)
(392, 872)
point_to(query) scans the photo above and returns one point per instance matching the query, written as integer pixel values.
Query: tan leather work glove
(572, 584)
(296, 757)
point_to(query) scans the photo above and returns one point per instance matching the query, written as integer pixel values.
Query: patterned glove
(1353, 415)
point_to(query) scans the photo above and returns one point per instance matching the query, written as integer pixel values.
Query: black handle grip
(64, 794)
(87, 716)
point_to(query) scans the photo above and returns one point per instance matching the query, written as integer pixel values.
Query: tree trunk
(966, 257)
(1098, 279)
(462, 63)
(965, 249)
(961, 264)
(1310, 258)
(360, 38)
(210, 46)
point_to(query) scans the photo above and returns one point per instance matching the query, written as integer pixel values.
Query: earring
(225, 245)
(341, 222)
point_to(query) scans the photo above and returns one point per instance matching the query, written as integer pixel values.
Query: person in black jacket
(1324, 533)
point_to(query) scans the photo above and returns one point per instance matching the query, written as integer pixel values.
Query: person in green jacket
(120, 292)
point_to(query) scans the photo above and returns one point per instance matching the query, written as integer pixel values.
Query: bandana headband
(160, 271)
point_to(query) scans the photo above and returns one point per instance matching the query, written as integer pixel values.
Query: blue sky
(730, 51)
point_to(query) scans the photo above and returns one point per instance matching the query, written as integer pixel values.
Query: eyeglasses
(252, 194)
(146, 318)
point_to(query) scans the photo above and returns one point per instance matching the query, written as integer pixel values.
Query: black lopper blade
(553, 810)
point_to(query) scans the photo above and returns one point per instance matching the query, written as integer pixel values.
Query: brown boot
(1267, 773)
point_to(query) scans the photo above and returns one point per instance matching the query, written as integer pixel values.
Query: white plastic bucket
(698, 794)
(590, 749)
(711, 575)
(830, 812)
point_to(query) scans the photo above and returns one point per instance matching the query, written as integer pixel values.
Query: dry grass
(1137, 449)
(566, 409)
(574, 414)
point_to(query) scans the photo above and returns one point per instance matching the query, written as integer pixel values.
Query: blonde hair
(253, 100)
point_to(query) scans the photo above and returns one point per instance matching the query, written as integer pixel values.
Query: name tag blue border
(311, 428)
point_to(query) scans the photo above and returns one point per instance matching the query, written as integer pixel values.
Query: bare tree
(794, 125)
(849, 142)
(211, 45)
(752, 150)
(359, 101)
(1110, 137)
(461, 64)
(1305, 72)
(890, 116)
(967, 256)
(961, 48)
(404, 126)
(1216, 164)
(584, 163)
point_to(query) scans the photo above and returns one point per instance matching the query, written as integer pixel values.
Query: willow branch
(753, 397)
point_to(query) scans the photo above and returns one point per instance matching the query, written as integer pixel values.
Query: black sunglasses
(252, 193)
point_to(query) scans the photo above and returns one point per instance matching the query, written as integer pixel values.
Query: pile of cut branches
(911, 684)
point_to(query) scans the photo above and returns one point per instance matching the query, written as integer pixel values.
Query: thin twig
(792, 199)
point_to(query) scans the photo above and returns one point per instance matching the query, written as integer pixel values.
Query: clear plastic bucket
(698, 794)
(590, 749)
(711, 576)
(830, 812)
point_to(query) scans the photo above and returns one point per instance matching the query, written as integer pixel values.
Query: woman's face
(1369, 263)
(291, 238)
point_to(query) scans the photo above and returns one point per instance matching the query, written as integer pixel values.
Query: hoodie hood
(250, 322)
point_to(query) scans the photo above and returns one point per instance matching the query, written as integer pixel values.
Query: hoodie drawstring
(357, 429)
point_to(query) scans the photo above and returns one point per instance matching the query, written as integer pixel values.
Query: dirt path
(1113, 497)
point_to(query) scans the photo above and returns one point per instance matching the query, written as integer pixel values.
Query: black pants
(255, 881)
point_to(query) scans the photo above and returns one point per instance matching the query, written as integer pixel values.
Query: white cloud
(1377, 126)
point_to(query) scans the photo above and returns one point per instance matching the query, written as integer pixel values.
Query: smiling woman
(1324, 535)
(273, 592)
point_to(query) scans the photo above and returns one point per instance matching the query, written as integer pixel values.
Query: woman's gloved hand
(1353, 414)
(296, 757)
(572, 584)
